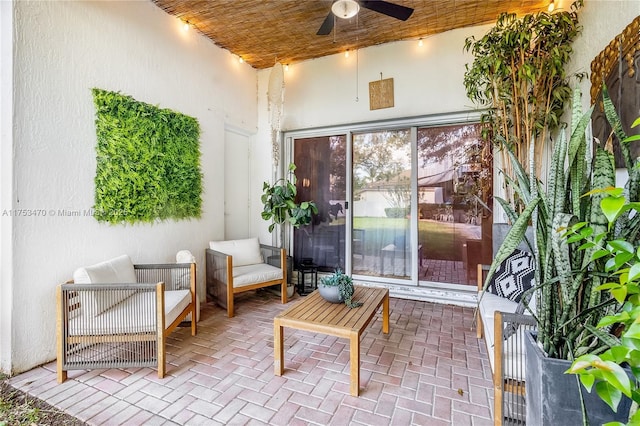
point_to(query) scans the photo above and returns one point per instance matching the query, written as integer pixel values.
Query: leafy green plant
(148, 161)
(519, 75)
(345, 287)
(619, 249)
(568, 305)
(280, 206)
(622, 284)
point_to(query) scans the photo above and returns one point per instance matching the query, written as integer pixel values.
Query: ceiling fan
(346, 9)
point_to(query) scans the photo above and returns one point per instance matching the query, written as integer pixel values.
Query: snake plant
(569, 304)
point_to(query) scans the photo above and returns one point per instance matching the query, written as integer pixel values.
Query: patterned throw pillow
(514, 276)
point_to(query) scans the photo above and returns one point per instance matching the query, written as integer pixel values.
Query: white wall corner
(6, 185)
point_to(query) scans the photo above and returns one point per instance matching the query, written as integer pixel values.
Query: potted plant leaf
(614, 373)
(281, 207)
(338, 288)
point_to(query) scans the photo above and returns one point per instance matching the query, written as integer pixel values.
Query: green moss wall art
(148, 162)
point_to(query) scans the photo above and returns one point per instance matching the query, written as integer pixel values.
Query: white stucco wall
(6, 180)
(427, 80)
(62, 50)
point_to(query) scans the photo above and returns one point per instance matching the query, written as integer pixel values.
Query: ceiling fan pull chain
(357, 79)
(357, 58)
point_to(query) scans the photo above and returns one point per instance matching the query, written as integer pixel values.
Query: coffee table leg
(278, 349)
(354, 349)
(385, 314)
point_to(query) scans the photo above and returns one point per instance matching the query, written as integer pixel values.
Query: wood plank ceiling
(263, 32)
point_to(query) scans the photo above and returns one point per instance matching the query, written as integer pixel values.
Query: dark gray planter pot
(330, 293)
(553, 397)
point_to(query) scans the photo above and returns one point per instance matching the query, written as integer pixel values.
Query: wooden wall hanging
(617, 67)
(381, 93)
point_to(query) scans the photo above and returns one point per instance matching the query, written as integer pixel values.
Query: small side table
(310, 270)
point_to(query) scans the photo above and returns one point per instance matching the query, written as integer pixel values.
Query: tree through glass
(381, 167)
(455, 195)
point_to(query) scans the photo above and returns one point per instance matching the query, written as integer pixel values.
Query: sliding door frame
(348, 130)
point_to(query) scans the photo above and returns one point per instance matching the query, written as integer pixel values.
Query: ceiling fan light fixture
(345, 9)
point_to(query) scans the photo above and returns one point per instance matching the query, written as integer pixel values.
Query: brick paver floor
(429, 370)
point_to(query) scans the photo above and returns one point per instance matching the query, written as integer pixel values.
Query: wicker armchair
(123, 321)
(236, 266)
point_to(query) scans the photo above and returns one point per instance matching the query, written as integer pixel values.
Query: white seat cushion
(182, 276)
(118, 270)
(489, 304)
(244, 252)
(135, 314)
(253, 274)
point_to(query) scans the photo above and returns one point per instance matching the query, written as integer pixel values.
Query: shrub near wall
(397, 212)
(148, 162)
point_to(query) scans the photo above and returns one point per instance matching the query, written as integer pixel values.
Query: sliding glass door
(454, 193)
(381, 170)
(321, 174)
(399, 205)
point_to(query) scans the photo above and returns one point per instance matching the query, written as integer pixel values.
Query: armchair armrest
(219, 272)
(176, 276)
(274, 256)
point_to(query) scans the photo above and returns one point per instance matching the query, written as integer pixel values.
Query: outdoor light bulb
(286, 67)
(240, 59)
(185, 26)
(346, 54)
(551, 6)
(420, 43)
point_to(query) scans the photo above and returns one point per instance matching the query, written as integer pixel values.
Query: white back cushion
(185, 256)
(115, 271)
(244, 252)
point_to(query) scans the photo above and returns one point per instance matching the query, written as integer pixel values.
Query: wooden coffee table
(335, 319)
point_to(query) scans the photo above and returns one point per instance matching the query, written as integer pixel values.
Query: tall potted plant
(518, 74)
(569, 274)
(280, 206)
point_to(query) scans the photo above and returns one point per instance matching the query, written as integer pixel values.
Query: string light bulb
(346, 53)
(286, 67)
(240, 59)
(552, 6)
(420, 43)
(185, 26)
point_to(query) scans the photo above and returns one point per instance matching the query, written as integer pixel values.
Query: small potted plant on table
(338, 288)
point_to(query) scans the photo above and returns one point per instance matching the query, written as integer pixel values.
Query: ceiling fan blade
(327, 25)
(390, 9)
